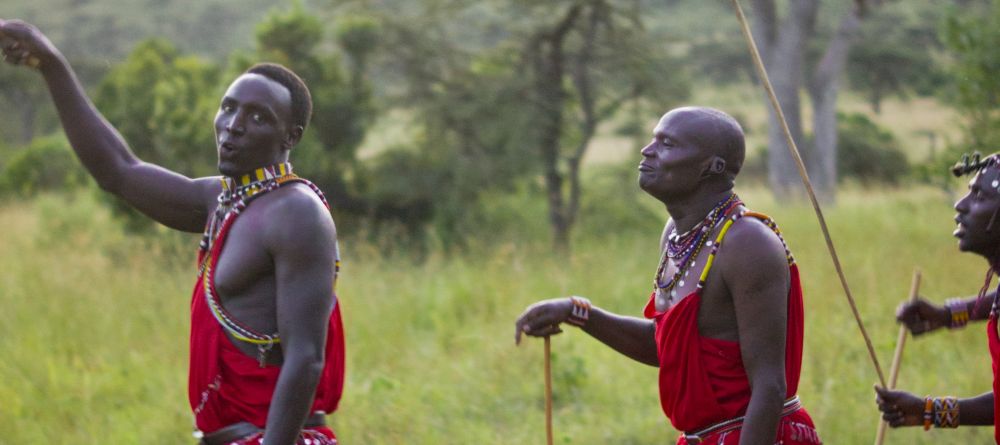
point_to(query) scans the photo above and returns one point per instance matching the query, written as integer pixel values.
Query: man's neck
(689, 211)
(257, 176)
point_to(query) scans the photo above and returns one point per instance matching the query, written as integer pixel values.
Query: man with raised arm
(724, 322)
(267, 353)
(978, 232)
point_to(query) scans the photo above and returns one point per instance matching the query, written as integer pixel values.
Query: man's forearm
(976, 410)
(631, 336)
(98, 145)
(760, 426)
(292, 401)
(980, 310)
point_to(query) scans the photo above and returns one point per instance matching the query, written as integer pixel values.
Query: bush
(46, 164)
(867, 152)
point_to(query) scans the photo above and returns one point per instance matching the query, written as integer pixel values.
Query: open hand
(921, 316)
(23, 44)
(542, 319)
(899, 408)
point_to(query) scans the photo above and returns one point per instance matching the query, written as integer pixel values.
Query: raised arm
(167, 197)
(302, 242)
(755, 270)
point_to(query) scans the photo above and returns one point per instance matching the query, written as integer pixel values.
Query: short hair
(301, 99)
(730, 136)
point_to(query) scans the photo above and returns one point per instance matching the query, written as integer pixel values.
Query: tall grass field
(94, 328)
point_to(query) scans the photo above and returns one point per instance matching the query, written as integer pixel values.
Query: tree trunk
(783, 48)
(823, 90)
(548, 60)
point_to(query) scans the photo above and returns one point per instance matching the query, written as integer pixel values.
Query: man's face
(976, 210)
(252, 125)
(672, 163)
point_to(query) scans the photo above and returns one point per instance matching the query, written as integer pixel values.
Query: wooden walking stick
(762, 73)
(897, 356)
(548, 390)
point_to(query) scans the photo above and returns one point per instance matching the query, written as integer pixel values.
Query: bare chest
(716, 312)
(244, 274)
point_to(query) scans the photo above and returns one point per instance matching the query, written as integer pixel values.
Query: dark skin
(978, 232)
(745, 296)
(276, 271)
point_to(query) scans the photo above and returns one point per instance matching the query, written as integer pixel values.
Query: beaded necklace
(688, 245)
(237, 193)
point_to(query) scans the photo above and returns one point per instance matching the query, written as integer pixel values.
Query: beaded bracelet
(928, 412)
(945, 412)
(580, 313)
(959, 311)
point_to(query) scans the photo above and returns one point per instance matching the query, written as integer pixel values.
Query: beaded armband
(928, 412)
(580, 313)
(945, 412)
(959, 311)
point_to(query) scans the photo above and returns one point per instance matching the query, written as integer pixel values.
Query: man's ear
(293, 137)
(716, 166)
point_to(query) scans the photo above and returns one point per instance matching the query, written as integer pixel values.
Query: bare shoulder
(753, 255)
(298, 218)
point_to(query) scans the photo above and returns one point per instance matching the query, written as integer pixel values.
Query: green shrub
(867, 152)
(46, 164)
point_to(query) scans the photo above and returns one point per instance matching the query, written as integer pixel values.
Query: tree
(342, 102)
(783, 46)
(163, 104)
(973, 38)
(533, 90)
(897, 53)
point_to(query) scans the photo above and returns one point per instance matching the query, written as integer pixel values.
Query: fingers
(539, 320)
(17, 43)
(891, 413)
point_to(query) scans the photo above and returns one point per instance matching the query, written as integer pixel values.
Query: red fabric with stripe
(702, 380)
(225, 386)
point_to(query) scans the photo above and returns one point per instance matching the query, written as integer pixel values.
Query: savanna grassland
(94, 327)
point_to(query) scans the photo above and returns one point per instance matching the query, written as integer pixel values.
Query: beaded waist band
(791, 405)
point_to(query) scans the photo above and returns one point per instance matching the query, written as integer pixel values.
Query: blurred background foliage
(465, 147)
(425, 109)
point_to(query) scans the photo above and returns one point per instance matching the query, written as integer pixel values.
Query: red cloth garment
(225, 386)
(310, 436)
(703, 381)
(994, 341)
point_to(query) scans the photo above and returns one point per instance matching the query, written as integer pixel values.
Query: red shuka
(703, 381)
(225, 386)
(994, 341)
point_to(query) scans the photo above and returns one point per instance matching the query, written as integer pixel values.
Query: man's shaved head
(715, 132)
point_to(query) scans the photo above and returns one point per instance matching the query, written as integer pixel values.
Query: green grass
(94, 329)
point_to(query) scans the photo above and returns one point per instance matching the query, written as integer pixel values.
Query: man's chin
(228, 169)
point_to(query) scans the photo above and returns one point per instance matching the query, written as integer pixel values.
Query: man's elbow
(306, 365)
(771, 391)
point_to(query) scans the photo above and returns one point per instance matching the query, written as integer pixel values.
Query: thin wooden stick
(762, 72)
(897, 357)
(548, 390)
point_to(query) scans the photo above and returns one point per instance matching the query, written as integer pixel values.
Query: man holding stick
(978, 232)
(267, 355)
(725, 320)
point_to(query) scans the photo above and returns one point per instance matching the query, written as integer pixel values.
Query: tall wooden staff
(762, 72)
(548, 391)
(897, 356)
